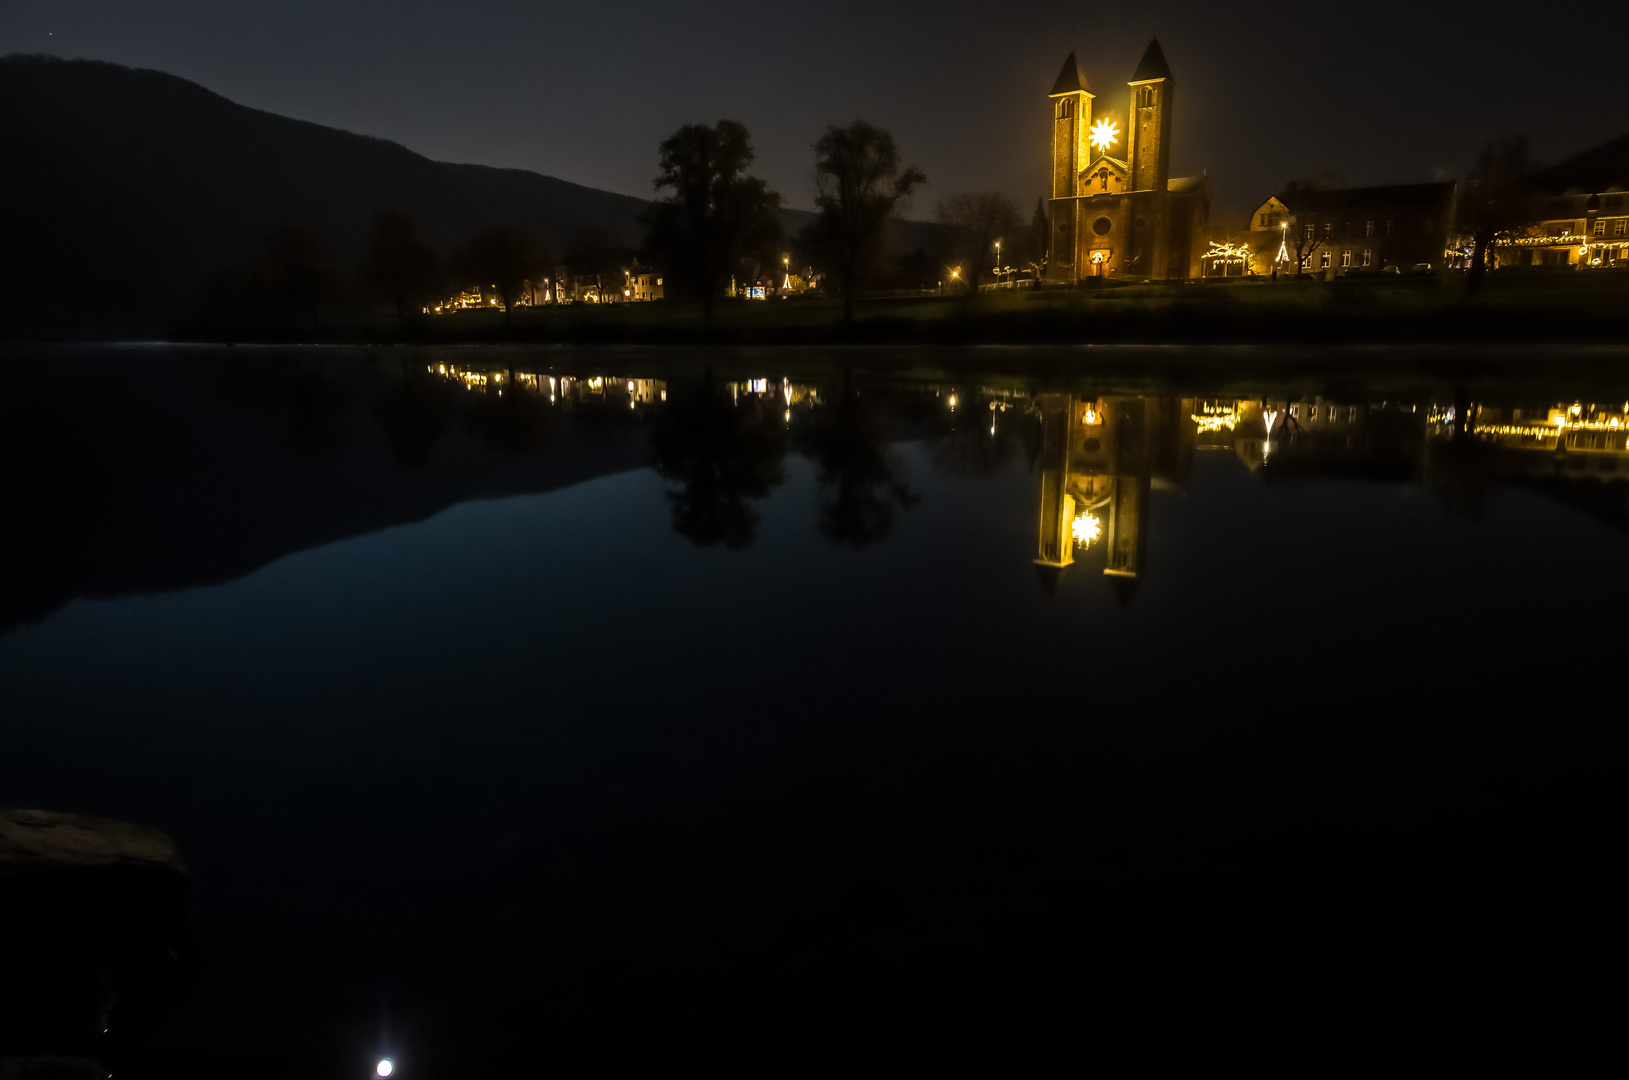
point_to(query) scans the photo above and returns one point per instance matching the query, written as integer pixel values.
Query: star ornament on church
(1105, 133)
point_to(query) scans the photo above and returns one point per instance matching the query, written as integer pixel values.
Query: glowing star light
(1105, 133)
(1085, 529)
(385, 1067)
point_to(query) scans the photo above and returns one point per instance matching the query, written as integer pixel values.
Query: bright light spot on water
(385, 1067)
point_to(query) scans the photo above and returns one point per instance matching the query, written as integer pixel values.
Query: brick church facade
(1116, 212)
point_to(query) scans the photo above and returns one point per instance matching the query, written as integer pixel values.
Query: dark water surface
(576, 713)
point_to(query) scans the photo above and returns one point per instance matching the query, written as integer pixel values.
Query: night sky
(1375, 92)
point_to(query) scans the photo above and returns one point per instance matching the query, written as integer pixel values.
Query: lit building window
(1600, 228)
(1346, 258)
(1312, 412)
(1368, 257)
(1309, 231)
(1329, 229)
(1618, 227)
(1295, 410)
(1351, 412)
(1368, 228)
(1323, 262)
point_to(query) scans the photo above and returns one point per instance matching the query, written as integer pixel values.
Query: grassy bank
(1555, 307)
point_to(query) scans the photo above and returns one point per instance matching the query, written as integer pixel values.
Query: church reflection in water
(1099, 458)
(311, 449)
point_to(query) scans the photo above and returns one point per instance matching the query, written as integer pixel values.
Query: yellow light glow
(1105, 133)
(1086, 529)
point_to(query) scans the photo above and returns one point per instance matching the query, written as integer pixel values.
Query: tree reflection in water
(860, 483)
(718, 457)
(513, 415)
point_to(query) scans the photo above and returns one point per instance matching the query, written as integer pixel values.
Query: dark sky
(1376, 92)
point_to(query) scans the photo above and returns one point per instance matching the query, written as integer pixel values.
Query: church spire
(1070, 80)
(1153, 65)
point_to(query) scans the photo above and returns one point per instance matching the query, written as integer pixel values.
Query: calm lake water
(577, 713)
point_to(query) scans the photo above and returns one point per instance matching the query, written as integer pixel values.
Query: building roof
(1395, 195)
(1180, 185)
(1153, 65)
(1070, 80)
(1599, 168)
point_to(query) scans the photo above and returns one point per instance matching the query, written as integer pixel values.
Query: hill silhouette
(123, 190)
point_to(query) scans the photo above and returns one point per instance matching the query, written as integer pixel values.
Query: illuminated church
(1116, 210)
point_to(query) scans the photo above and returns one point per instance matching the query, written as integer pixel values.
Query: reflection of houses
(1098, 459)
(1353, 229)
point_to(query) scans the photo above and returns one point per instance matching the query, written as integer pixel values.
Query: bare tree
(402, 265)
(1495, 205)
(1302, 222)
(860, 186)
(1033, 254)
(975, 223)
(716, 213)
(297, 270)
(508, 258)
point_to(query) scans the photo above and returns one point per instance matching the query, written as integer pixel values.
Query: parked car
(1391, 270)
(1421, 268)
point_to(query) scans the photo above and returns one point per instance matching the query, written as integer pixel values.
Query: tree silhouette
(718, 457)
(859, 485)
(975, 223)
(715, 213)
(860, 186)
(403, 266)
(1033, 252)
(508, 258)
(297, 271)
(1496, 203)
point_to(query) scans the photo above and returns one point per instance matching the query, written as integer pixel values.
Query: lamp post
(998, 262)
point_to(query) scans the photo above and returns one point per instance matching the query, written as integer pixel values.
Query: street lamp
(998, 262)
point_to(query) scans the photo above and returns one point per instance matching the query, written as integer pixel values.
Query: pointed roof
(1049, 573)
(1070, 80)
(1153, 65)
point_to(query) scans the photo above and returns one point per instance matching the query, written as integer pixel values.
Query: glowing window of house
(1323, 263)
(1295, 410)
(1618, 227)
(1312, 412)
(1309, 232)
(1306, 262)
(1600, 228)
(1329, 229)
(1346, 258)
(1368, 257)
(760, 386)
(1351, 412)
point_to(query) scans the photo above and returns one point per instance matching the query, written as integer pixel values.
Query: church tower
(1071, 120)
(1148, 140)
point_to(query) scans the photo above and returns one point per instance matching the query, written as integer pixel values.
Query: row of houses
(1577, 218)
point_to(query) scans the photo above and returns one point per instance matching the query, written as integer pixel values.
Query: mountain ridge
(149, 183)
